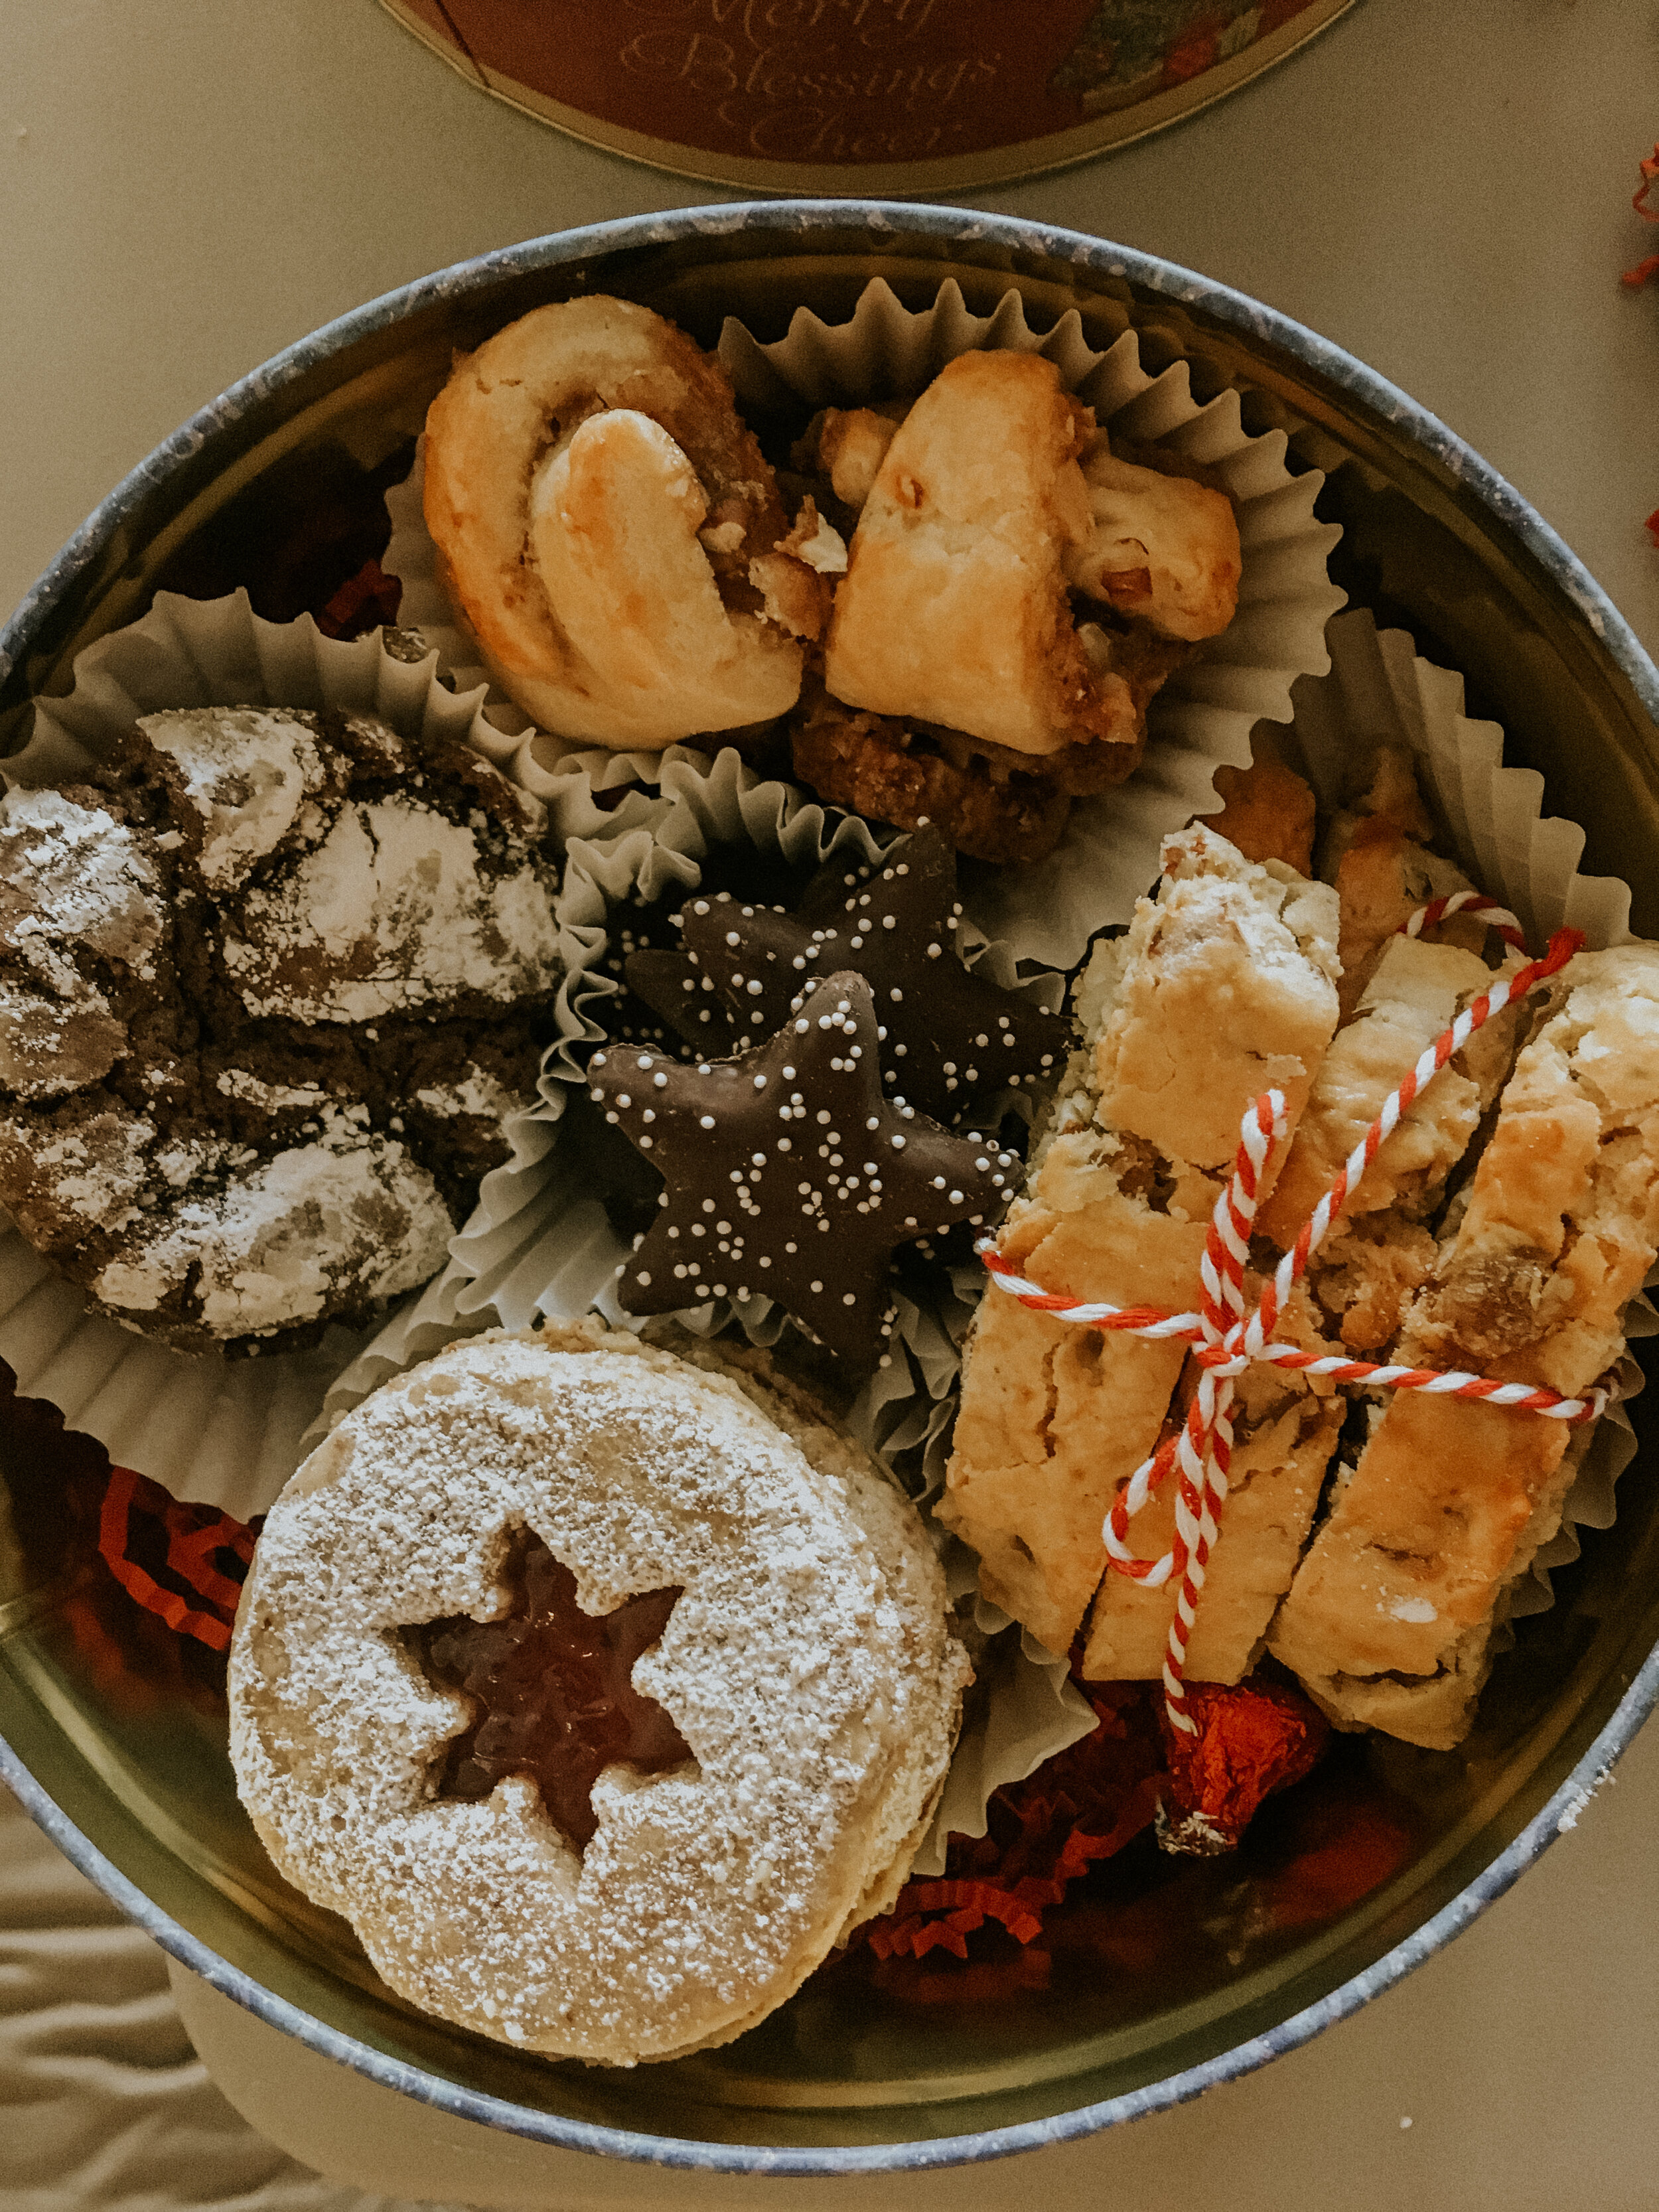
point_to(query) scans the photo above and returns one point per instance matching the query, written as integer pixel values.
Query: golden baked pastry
(1388, 1623)
(1377, 854)
(1284, 1430)
(1223, 985)
(954, 606)
(1016, 594)
(799, 1706)
(610, 529)
(1267, 810)
(993, 802)
(1379, 1249)
(1163, 546)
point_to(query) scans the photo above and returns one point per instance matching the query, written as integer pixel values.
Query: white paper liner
(1381, 692)
(223, 1431)
(1201, 718)
(1378, 691)
(1374, 689)
(524, 1251)
(541, 1243)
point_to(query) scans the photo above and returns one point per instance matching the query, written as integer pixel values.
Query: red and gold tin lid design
(865, 96)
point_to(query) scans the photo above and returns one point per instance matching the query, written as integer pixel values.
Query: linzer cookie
(1225, 982)
(602, 1692)
(273, 978)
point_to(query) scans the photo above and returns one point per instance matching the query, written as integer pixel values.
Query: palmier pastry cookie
(601, 1691)
(612, 534)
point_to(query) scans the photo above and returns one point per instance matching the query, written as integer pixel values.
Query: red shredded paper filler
(1082, 1805)
(1645, 272)
(362, 602)
(1249, 1742)
(1088, 1801)
(186, 1562)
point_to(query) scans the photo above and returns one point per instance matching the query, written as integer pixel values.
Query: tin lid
(911, 96)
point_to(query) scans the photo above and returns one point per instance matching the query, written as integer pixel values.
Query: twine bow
(1226, 1340)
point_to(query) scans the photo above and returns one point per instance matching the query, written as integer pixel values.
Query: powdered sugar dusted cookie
(268, 982)
(601, 1854)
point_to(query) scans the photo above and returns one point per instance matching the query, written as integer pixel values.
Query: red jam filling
(551, 1690)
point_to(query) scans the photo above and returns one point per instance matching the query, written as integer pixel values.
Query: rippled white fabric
(103, 2103)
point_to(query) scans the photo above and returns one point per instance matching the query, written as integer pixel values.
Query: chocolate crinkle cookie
(269, 981)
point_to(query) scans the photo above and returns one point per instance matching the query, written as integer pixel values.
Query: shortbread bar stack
(1390, 1619)
(1502, 1229)
(1223, 985)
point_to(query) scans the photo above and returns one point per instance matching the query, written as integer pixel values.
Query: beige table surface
(1442, 185)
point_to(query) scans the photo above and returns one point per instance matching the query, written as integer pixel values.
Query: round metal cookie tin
(130, 1772)
(892, 96)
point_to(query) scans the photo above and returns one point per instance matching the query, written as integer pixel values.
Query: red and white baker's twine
(1227, 1342)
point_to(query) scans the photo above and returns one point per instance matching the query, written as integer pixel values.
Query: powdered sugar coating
(807, 1663)
(90, 1173)
(477, 1092)
(386, 914)
(234, 965)
(246, 771)
(277, 1242)
(76, 891)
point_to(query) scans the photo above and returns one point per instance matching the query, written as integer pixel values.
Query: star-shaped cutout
(551, 1689)
(950, 1039)
(789, 1176)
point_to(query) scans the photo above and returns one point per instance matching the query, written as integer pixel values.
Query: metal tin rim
(886, 221)
(681, 2152)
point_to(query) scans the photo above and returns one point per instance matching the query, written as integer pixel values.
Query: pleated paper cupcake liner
(540, 1241)
(1378, 691)
(1381, 692)
(226, 1432)
(1271, 664)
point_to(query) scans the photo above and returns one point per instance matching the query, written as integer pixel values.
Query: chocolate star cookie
(789, 1174)
(950, 1039)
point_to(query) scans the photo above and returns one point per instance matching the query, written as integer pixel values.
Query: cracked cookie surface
(270, 980)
